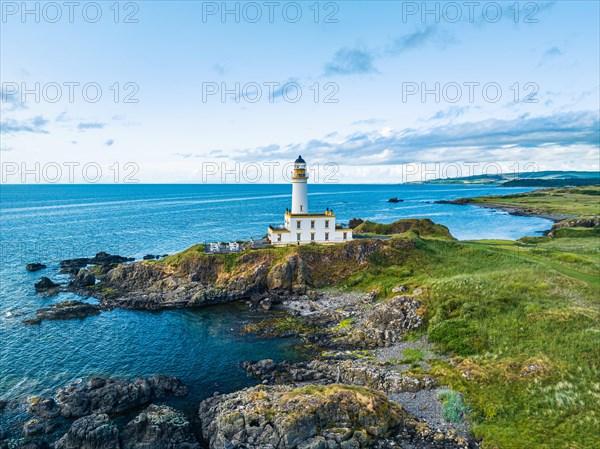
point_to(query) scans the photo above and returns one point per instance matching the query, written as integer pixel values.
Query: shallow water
(204, 347)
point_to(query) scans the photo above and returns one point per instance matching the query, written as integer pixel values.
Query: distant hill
(528, 179)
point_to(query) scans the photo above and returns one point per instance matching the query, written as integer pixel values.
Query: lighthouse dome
(299, 160)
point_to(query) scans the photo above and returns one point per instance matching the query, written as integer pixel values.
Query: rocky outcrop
(328, 371)
(37, 426)
(332, 416)
(105, 260)
(35, 266)
(85, 278)
(159, 427)
(43, 407)
(115, 396)
(64, 311)
(588, 222)
(96, 431)
(192, 278)
(45, 285)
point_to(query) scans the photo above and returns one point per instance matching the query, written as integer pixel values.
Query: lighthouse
(301, 226)
(299, 187)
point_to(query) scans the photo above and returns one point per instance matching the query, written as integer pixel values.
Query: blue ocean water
(49, 223)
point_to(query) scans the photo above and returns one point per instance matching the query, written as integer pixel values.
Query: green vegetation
(523, 322)
(412, 355)
(576, 201)
(535, 179)
(411, 227)
(453, 407)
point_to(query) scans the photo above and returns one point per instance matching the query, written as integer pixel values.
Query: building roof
(299, 160)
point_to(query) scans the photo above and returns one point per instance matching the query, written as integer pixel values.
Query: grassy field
(575, 201)
(523, 322)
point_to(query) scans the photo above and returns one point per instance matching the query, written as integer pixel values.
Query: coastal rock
(159, 427)
(309, 417)
(35, 266)
(65, 310)
(96, 431)
(72, 266)
(115, 396)
(43, 407)
(85, 278)
(328, 371)
(37, 426)
(36, 444)
(46, 285)
(332, 416)
(395, 200)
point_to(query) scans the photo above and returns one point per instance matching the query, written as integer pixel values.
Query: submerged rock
(159, 427)
(35, 266)
(65, 310)
(96, 431)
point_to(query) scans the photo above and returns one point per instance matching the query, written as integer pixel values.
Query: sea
(204, 347)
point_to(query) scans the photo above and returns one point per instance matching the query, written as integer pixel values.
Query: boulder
(45, 285)
(43, 407)
(96, 431)
(159, 427)
(85, 278)
(35, 266)
(37, 426)
(307, 417)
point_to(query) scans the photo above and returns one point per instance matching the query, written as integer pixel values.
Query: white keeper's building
(301, 226)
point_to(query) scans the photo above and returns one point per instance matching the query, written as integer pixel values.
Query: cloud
(349, 61)
(369, 121)
(219, 69)
(523, 138)
(109, 142)
(90, 125)
(11, 101)
(549, 54)
(34, 125)
(410, 41)
(361, 61)
(451, 112)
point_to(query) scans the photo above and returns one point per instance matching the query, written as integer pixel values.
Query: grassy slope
(501, 308)
(577, 201)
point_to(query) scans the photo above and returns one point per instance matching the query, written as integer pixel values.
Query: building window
(312, 236)
(345, 235)
(327, 236)
(279, 237)
(298, 224)
(300, 208)
(326, 223)
(312, 224)
(298, 236)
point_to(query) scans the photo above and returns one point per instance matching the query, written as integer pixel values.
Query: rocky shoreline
(350, 394)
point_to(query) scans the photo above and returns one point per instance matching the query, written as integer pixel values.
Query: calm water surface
(204, 347)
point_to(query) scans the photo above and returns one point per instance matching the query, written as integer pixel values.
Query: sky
(366, 91)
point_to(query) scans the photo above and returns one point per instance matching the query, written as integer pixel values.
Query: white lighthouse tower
(299, 187)
(302, 226)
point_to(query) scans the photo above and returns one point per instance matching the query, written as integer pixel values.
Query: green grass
(453, 406)
(500, 308)
(575, 201)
